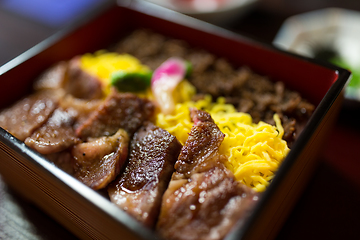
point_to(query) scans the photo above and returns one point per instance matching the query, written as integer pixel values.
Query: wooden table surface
(328, 209)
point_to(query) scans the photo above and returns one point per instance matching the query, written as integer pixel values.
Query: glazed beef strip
(203, 200)
(204, 207)
(119, 110)
(139, 190)
(98, 162)
(82, 107)
(201, 151)
(29, 113)
(56, 135)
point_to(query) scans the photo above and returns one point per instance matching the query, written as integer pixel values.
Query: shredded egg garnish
(103, 64)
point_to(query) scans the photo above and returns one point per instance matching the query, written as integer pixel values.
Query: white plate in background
(331, 28)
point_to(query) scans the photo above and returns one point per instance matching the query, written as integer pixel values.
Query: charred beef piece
(119, 110)
(204, 207)
(82, 107)
(99, 161)
(56, 135)
(29, 113)
(203, 200)
(139, 190)
(81, 84)
(201, 150)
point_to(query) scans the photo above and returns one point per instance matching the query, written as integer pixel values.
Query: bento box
(88, 213)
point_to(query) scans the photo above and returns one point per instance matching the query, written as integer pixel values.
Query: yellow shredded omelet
(102, 64)
(254, 151)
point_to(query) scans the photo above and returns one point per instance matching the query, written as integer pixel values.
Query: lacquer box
(87, 213)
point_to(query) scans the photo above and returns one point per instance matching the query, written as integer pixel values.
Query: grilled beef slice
(119, 110)
(82, 107)
(203, 200)
(98, 162)
(29, 113)
(56, 135)
(139, 190)
(204, 207)
(201, 150)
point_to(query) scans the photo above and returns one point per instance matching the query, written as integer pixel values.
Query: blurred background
(25, 23)
(328, 209)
